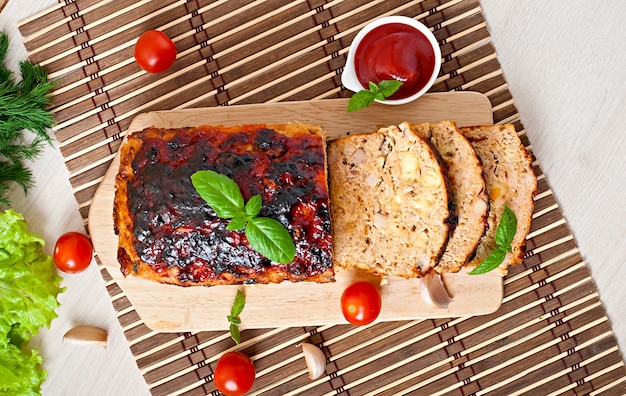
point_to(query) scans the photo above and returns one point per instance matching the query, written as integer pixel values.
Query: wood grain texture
(50, 209)
(566, 78)
(172, 308)
(550, 336)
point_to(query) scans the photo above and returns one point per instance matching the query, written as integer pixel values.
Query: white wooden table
(564, 61)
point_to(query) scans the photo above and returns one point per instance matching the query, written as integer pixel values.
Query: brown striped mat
(551, 335)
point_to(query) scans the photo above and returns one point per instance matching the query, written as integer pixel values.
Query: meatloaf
(465, 173)
(169, 234)
(390, 202)
(510, 181)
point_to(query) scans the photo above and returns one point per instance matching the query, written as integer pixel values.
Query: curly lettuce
(20, 372)
(29, 286)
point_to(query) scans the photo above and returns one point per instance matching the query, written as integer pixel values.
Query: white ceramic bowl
(349, 78)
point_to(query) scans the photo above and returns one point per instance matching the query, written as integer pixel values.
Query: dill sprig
(23, 106)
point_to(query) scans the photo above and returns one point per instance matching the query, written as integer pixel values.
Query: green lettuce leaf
(29, 286)
(20, 372)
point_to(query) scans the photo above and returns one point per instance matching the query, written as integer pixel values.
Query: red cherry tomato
(73, 252)
(155, 52)
(361, 303)
(234, 374)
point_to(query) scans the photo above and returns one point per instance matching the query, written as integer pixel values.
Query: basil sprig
(265, 235)
(504, 236)
(233, 318)
(366, 97)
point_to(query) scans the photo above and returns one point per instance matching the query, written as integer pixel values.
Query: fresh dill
(23, 106)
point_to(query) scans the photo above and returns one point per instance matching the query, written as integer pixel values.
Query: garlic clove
(86, 335)
(433, 291)
(315, 360)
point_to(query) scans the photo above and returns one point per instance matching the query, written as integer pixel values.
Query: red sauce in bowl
(395, 51)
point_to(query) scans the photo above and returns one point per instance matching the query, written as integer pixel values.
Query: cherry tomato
(73, 252)
(234, 374)
(155, 52)
(361, 303)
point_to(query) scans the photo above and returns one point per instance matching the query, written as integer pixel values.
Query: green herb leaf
(389, 87)
(491, 262)
(364, 97)
(234, 333)
(507, 227)
(23, 106)
(29, 287)
(238, 304)
(253, 206)
(360, 100)
(504, 236)
(233, 318)
(265, 235)
(270, 238)
(20, 370)
(237, 223)
(220, 192)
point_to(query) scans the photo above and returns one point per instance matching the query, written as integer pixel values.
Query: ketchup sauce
(395, 51)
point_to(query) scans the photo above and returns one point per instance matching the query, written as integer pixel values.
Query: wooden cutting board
(172, 308)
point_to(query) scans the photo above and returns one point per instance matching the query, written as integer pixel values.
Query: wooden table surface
(563, 61)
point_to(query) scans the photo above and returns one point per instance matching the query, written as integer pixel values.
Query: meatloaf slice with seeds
(389, 202)
(510, 181)
(465, 173)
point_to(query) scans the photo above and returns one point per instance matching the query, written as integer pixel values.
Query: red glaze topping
(395, 51)
(176, 232)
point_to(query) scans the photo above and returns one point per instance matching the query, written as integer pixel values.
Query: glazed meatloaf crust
(389, 202)
(169, 234)
(465, 174)
(510, 181)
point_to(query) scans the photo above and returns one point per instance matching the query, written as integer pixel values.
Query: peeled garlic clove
(433, 291)
(315, 360)
(86, 335)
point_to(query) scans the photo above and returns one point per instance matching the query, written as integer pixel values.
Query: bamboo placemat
(551, 335)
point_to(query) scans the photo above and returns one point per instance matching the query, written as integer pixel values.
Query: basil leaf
(491, 262)
(220, 192)
(379, 95)
(238, 304)
(268, 237)
(389, 87)
(365, 97)
(360, 100)
(233, 318)
(507, 228)
(253, 206)
(237, 223)
(234, 333)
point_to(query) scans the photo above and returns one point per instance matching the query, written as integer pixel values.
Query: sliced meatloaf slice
(465, 173)
(389, 203)
(510, 181)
